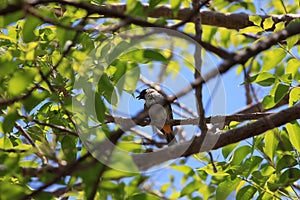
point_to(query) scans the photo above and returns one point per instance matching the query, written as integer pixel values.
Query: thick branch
(215, 141)
(226, 20)
(191, 121)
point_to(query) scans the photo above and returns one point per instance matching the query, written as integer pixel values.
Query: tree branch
(191, 121)
(215, 141)
(226, 20)
(242, 56)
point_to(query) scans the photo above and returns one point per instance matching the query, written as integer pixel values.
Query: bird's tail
(168, 132)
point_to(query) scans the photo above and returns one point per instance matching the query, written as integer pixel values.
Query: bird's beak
(139, 97)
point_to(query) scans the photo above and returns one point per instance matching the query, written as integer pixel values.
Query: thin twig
(30, 140)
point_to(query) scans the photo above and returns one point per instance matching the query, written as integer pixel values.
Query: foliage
(44, 53)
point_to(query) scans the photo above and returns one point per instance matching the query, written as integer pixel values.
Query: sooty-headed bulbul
(159, 111)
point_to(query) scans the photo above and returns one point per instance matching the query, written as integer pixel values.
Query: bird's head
(142, 94)
(149, 91)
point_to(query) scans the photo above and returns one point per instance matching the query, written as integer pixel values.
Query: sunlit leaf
(294, 96)
(272, 58)
(268, 23)
(271, 143)
(175, 4)
(255, 19)
(268, 102)
(263, 79)
(251, 29)
(291, 41)
(292, 67)
(294, 134)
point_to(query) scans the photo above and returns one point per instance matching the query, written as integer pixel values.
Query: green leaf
(291, 41)
(10, 190)
(228, 149)
(106, 88)
(135, 7)
(251, 29)
(268, 23)
(240, 154)
(226, 187)
(255, 19)
(10, 17)
(292, 67)
(143, 196)
(279, 26)
(153, 3)
(131, 78)
(129, 146)
(289, 176)
(263, 79)
(99, 108)
(68, 145)
(271, 143)
(122, 161)
(108, 185)
(246, 192)
(64, 35)
(21, 80)
(294, 134)
(175, 5)
(34, 99)
(143, 56)
(287, 161)
(272, 58)
(190, 188)
(294, 96)
(286, 78)
(154, 55)
(273, 183)
(9, 121)
(251, 164)
(184, 169)
(28, 29)
(268, 102)
(280, 92)
(116, 174)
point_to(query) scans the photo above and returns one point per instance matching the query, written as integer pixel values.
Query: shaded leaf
(29, 26)
(226, 187)
(280, 92)
(271, 143)
(246, 192)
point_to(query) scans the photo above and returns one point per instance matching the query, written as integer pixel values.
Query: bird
(159, 111)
